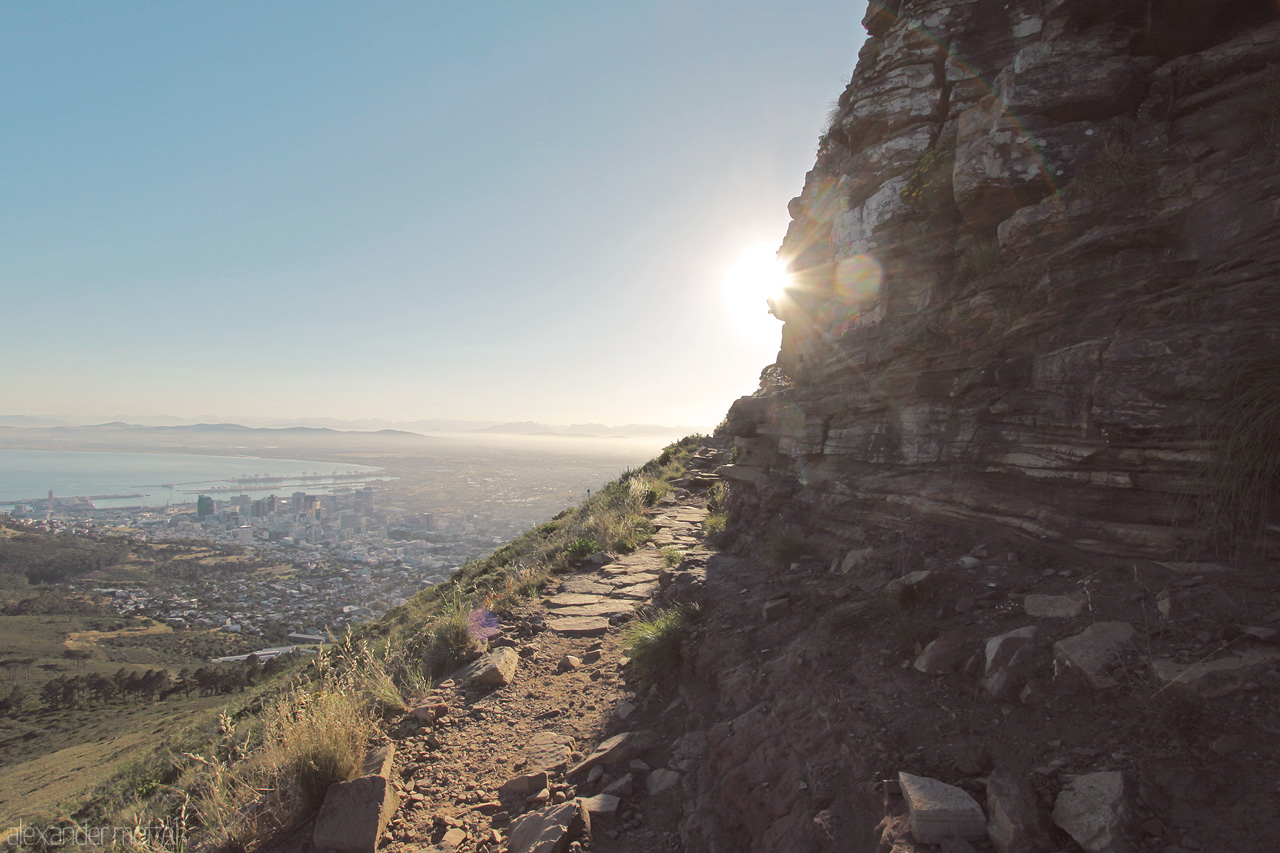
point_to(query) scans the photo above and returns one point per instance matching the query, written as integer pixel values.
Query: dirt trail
(548, 718)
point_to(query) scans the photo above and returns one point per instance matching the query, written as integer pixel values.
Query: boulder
(496, 668)
(1094, 651)
(355, 813)
(662, 781)
(1008, 660)
(603, 808)
(936, 810)
(618, 749)
(621, 787)
(946, 653)
(523, 786)
(1014, 823)
(550, 830)
(1093, 810)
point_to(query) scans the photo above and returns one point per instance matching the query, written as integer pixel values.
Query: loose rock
(936, 810)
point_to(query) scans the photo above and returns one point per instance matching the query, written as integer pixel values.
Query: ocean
(161, 478)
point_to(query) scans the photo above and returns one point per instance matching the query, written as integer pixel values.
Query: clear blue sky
(481, 210)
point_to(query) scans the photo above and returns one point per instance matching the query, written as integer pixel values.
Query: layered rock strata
(1037, 236)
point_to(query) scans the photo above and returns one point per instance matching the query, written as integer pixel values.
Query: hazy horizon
(401, 211)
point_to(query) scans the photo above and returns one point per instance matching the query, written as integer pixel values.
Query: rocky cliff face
(1037, 235)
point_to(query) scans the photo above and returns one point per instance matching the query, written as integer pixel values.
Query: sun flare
(751, 282)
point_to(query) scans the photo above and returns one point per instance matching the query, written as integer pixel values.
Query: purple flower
(482, 625)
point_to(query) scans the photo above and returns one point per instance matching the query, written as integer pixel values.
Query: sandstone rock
(1094, 651)
(581, 585)
(355, 813)
(569, 662)
(625, 710)
(895, 589)
(1215, 678)
(429, 711)
(579, 626)
(496, 668)
(592, 656)
(1054, 606)
(549, 830)
(662, 781)
(1069, 79)
(621, 787)
(603, 808)
(572, 599)
(1015, 824)
(1093, 810)
(453, 839)
(617, 749)
(775, 609)
(523, 786)
(547, 751)
(936, 810)
(1008, 660)
(947, 653)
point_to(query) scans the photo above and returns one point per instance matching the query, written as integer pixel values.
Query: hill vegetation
(251, 768)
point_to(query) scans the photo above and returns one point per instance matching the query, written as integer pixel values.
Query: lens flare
(858, 280)
(750, 284)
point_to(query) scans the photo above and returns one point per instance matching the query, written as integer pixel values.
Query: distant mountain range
(367, 425)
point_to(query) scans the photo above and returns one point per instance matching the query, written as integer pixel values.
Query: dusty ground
(546, 718)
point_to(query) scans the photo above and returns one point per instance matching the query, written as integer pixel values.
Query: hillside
(998, 570)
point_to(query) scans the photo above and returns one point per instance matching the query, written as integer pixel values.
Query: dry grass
(1244, 471)
(258, 781)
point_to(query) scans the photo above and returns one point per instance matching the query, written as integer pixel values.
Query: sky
(479, 210)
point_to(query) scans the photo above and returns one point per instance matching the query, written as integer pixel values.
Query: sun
(751, 282)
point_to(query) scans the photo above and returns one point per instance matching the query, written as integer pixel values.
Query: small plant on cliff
(1244, 471)
(980, 258)
(786, 546)
(653, 642)
(928, 186)
(715, 524)
(1114, 172)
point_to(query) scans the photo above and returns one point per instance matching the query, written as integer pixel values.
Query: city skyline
(400, 210)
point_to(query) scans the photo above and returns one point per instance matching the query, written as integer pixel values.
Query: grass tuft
(653, 642)
(786, 546)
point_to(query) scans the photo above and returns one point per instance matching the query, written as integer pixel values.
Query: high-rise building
(204, 507)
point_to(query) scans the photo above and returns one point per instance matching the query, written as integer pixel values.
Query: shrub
(579, 549)
(653, 642)
(671, 555)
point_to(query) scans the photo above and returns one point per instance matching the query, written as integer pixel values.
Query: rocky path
(474, 758)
